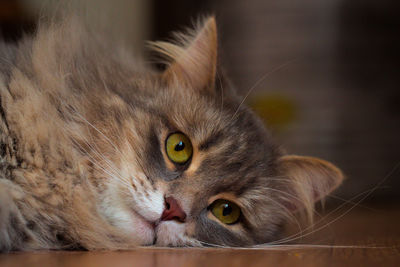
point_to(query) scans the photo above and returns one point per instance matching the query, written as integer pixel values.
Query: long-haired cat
(98, 151)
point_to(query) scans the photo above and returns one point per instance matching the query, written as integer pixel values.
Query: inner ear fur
(193, 59)
(308, 180)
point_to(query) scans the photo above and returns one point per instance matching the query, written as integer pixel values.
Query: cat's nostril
(173, 211)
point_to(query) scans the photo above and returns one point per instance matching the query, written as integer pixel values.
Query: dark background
(333, 85)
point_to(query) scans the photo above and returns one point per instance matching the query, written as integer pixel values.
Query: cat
(100, 151)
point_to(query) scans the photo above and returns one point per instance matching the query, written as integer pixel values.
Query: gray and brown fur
(72, 103)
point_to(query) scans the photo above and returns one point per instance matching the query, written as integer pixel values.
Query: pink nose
(173, 211)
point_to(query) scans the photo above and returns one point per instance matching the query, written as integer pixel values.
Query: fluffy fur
(83, 164)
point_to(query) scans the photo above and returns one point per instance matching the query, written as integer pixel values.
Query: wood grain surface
(362, 237)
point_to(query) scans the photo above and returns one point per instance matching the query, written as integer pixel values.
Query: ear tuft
(194, 58)
(310, 179)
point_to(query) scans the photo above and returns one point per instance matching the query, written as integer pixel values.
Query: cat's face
(187, 164)
(191, 148)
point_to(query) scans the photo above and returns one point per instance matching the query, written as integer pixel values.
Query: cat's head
(177, 159)
(199, 167)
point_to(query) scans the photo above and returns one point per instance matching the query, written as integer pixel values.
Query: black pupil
(180, 146)
(227, 210)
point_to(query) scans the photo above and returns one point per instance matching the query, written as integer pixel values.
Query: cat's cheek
(149, 205)
(133, 225)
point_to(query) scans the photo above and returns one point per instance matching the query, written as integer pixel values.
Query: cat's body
(84, 159)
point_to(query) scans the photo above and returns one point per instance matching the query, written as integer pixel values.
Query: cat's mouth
(160, 228)
(159, 232)
(150, 229)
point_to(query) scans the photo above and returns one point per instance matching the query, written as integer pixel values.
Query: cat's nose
(173, 211)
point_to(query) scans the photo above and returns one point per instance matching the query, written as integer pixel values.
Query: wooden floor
(362, 237)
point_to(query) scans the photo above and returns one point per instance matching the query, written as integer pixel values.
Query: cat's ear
(194, 60)
(307, 180)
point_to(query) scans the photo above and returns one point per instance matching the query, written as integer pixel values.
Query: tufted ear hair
(193, 61)
(307, 180)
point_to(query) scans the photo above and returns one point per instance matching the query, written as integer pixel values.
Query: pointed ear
(194, 61)
(309, 180)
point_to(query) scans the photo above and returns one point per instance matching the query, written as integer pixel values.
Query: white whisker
(367, 193)
(262, 78)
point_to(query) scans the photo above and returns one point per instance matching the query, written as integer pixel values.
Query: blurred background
(323, 75)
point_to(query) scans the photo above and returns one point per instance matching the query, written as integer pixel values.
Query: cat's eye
(225, 211)
(179, 148)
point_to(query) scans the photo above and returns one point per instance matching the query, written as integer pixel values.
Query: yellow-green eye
(225, 211)
(179, 148)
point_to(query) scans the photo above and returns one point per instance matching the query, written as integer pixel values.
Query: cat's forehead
(207, 117)
(227, 137)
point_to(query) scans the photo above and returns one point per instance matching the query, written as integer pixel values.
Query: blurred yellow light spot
(277, 111)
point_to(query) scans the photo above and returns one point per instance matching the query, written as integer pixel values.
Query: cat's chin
(144, 231)
(172, 234)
